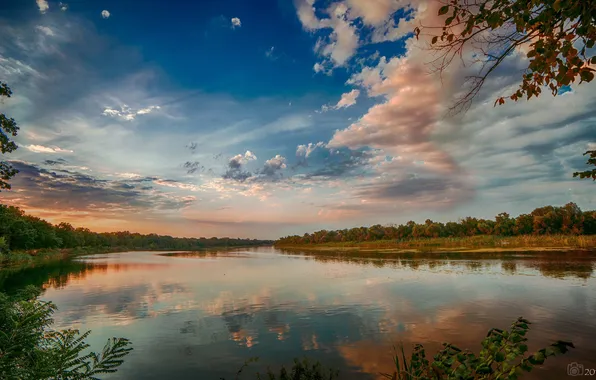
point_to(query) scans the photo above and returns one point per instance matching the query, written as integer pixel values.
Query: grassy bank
(16, 259)
(483, 243)
(25, 258)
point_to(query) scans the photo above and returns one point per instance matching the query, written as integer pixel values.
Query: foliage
(8, 127)
(588, 173)
(29, 349)
(568, 220)
(503, 356)
(557, 34)
(3, 245)
(300, 370)
(25, 232)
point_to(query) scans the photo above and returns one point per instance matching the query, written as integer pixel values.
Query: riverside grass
(481, 243)
(19, 259)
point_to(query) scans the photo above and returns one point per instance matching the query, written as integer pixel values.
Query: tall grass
(463, 243)
(13, 259)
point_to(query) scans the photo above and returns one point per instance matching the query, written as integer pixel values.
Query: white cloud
(323, 67)
(42, 5)
(273, 165)
(374, 12)
(63, 6)
(306, 14)
(306, 150)
(270, 53)
(127, 175)
(241, 159)
(105, 14)
(342, 42)
(178, 185)
(45, 30)
(45, 149)
(236, 23)
(126, 113)
(143, 111)
(13, 68)
(347, 18)
(404, 123)
(347, 99)
(250, 155)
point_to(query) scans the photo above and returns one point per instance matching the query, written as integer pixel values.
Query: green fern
(29, 349)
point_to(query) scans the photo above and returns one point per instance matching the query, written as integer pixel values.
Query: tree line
(25, 232)
(548, 220)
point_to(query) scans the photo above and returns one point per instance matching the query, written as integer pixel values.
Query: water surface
(200, 316)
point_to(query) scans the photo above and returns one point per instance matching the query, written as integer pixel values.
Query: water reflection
(578, 264)
(201, 315)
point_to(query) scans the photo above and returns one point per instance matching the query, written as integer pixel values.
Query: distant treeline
(24, 232)
(566, 220)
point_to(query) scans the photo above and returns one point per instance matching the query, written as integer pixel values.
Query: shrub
(29, 349)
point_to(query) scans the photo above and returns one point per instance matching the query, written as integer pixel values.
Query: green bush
(29, 349)
(503, 356)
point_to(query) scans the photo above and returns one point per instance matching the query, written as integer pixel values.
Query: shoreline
(23, 259)
(312, 248)
(473, 244)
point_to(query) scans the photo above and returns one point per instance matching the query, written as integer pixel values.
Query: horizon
(268, 119)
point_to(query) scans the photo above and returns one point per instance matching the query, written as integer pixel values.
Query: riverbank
(471, 244)
(37, 256)
(16, 259)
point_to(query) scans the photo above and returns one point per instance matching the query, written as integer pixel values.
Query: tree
(3, 245)
(504, 225)
(588, 173)
(8, 127)
(557, 35)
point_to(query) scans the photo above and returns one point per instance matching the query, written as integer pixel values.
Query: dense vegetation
(8, 128)
(24, 232)
(30, 349)
(548, 220)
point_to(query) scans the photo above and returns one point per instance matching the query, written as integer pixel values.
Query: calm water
(201, 316)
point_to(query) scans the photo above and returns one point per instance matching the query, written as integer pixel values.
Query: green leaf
(500, 357)
(444, 9)
(434, 40)
(586, 76)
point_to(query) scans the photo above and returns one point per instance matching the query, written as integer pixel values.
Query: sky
(268, 118)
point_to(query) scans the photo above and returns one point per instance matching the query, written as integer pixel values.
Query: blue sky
(268, 118)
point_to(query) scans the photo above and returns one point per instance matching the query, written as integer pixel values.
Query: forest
(25, 232)
(547, 220)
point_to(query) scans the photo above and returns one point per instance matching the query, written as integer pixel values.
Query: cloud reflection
(347, 312)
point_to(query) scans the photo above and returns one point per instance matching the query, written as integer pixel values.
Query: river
(201, 315)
